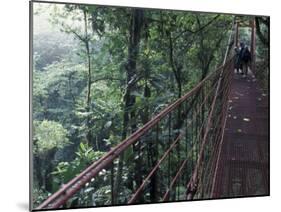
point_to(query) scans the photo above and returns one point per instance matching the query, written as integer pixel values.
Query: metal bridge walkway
(243, 164)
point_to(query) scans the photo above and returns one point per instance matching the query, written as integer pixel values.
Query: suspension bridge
(210, 143)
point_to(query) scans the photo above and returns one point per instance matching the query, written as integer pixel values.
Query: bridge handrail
(64, 193)
(107, 159)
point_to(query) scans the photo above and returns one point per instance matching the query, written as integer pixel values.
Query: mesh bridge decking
(243, 164)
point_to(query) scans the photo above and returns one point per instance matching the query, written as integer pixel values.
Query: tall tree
(135, 28)
(262, 26)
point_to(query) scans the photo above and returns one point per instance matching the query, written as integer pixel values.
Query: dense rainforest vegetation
(100, 73)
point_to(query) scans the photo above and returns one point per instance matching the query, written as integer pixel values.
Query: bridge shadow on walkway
(243, 168)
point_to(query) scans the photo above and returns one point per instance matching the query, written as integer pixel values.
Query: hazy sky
(41, 15)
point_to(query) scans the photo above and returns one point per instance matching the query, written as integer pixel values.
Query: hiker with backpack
(237, 61)
(245, 57)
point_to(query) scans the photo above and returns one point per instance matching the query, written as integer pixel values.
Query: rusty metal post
(236, 32)
(169, 144)
(253, 45)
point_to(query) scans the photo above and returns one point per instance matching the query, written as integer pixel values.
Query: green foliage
(65, 171)
(39, 195)
(49, 135)
(50, 48)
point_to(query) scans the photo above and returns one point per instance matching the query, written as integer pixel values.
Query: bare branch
(77, 35)
(198, 30)
(105, 78)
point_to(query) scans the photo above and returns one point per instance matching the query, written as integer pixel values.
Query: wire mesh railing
(172, 157)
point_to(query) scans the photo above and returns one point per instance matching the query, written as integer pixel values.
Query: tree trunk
(261, 36)
(38, 169)
(48, 178)
(89, 138)
(129, 99)
(176, 68)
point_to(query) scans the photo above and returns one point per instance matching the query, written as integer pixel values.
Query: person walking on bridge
(245, 58)
(237, 61)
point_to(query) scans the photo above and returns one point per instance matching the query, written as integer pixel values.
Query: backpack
(246, 55)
